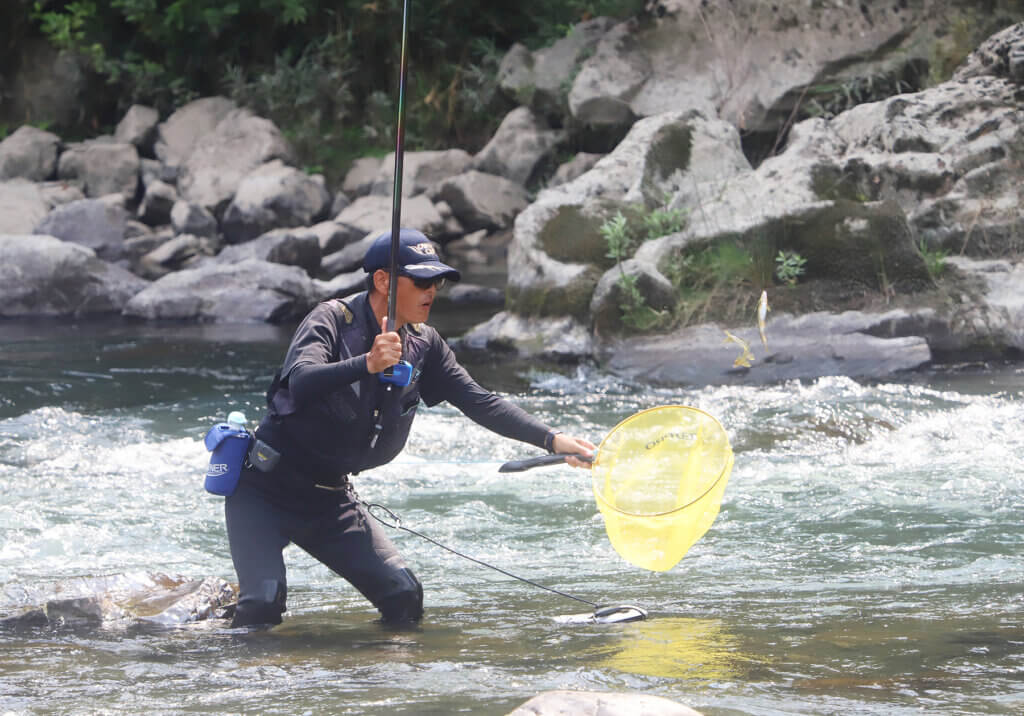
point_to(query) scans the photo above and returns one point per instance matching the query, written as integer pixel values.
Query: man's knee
(264, 607)
(406, 605)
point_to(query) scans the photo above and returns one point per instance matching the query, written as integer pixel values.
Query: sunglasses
(424, 284)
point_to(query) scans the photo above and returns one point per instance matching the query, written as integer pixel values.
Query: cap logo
(423, 249)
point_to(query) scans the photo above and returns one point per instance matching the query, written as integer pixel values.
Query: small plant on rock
(789, 267)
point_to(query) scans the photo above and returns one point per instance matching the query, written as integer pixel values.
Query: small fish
(762, 313)
(746, 356)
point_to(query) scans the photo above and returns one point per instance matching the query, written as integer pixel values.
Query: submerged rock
(121, 599)
(550, 703)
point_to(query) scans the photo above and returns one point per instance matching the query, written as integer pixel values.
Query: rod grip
(540, 461)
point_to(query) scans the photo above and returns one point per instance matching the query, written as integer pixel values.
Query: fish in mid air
(744, 358)
(762, 313)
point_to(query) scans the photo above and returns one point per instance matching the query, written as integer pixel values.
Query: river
(867, 558)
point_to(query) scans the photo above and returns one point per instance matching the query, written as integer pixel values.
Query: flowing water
(867, 558)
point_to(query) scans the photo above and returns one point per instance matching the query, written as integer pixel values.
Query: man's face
(415, 297)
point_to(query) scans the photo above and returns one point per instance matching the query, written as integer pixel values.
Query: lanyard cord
(397, 524)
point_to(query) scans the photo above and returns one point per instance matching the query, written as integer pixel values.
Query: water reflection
(678, 648)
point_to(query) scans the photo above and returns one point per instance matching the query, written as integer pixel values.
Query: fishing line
(399, 526)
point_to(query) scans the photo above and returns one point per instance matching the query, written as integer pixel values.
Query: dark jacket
(329, 431)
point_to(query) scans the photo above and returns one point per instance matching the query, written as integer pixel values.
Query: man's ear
(381, 281)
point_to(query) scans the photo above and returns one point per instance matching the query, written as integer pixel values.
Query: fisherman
(330, 416)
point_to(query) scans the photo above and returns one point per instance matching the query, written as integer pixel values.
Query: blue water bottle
(228, 444)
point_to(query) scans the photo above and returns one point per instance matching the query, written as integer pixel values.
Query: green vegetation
(622, 241)
(636, 314)
(789, 266)
(934, 259)
(717, 281)
(318, 68)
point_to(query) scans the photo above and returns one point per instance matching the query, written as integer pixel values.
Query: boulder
(157, 203)
(591, 703)
(539, 79)
(173, 254)
(239, 145)
(121, 600)
(609, 79)
(291, 247)
(1001, 55)
(420, 170)
(138, 127)
(557, 254)
(29, 153)
(344, 284)
(101, 167)
(271, 196)
(23, 205)
(372, 214)
(803, 347)
(192, 219)
(333, 236)
(179, 133)
(94, 223)
(579, 165)
(990, 323)
(361, 176)
(521, 147)
(44, 276)
(245, 292)
(56, 193)
(481, 201)
(558, 339)
(349, 258)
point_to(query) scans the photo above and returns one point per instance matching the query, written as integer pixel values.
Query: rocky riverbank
(906, 212)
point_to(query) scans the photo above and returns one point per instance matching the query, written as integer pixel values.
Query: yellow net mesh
(658, 478)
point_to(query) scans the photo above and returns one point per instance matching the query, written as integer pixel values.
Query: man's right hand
(386, 350)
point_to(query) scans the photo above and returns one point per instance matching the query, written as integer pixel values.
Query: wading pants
(334, 528)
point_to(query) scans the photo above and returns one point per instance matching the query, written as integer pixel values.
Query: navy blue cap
(417, 256)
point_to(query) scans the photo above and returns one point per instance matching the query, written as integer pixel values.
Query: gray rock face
(29, 153)
(1001, 55)
(44, 276)
(737, 62)
(538, 79)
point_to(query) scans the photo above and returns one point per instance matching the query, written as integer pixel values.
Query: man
(330, 416)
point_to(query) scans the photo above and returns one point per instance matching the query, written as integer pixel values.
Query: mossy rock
(572, 299)
(573, 235)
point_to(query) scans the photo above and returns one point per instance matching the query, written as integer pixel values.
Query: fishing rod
(401, 373)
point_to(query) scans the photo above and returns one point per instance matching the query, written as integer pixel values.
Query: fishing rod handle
(541, 461)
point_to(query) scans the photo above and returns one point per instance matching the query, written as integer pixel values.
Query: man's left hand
(563, 443)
